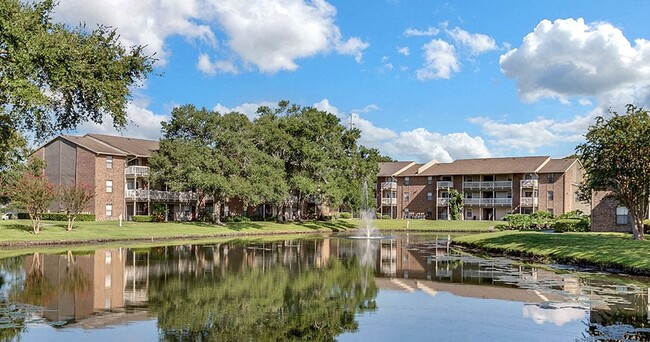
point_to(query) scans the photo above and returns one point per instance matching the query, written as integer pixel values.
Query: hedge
(345, 215)
(142, 218)
(571, 225)
(58, 217)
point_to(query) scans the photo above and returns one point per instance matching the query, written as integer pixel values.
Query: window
(550, 195)
(468, 195)
(468, 214)
(429, 180)
(429, 196)
(109, 210)
(109, 162)
(551, 177)
(621, 215)
(406, 197)
(407, 180)
(109, 186)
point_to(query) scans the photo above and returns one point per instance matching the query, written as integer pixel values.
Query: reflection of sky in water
(558, 316)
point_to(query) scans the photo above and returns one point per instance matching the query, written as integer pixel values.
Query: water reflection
(314, 289)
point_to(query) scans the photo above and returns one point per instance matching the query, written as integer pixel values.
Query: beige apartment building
(491, 187)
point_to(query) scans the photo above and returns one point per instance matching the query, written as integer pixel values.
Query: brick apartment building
(491, 187)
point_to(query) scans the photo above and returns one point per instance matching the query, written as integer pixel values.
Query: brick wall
(603, 214)
(418, 201)
(85, 174)
(116, 197)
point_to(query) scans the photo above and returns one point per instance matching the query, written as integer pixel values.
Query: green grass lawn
(604, 250)
(19, 232)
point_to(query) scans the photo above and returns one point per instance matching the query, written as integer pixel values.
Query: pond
(411, 287)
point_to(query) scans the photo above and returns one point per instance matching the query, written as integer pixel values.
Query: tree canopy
(616, 158)
(54, 77)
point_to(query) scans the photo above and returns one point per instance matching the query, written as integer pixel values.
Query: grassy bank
(18, 232)
(602, 250)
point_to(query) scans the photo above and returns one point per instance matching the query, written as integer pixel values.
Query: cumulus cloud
(404, 50)
(248, 109)
(430, 31)
(440, 61)
(476, 43)
(569, 57)
(325, 106)
(142, 123)
(270, 35)
(273, 34)
(558, 316)
(207, 66)
(146, 23)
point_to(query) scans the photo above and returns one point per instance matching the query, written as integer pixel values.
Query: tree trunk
(299, 211)
(637, 228)
(71, 222)
(216, 213)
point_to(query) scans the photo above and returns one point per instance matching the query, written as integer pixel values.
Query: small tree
(34, 194)
(455, 204)
(616, 157)
(73, 201)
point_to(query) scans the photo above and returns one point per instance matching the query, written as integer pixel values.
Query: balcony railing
(529, 201)
(160, 196)
(443, 202)
(444, 184)
(389, 185)
(488, 202)
(529, 183)
(137, 171)
(488, 185)
(389, 201)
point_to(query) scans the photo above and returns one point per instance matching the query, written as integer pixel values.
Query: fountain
(367, 215)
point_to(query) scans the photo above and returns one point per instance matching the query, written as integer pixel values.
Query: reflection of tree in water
(37, 289)
(276, 304)
(627, 320)
(75, 279)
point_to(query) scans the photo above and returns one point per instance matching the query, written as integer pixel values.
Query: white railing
(443, 202)
(160, 196)
(138, 171)
(487, 201)
(389, 201)
(529, 201)
(529, 183)
(444, 184)
(488, 185)
(389, 185)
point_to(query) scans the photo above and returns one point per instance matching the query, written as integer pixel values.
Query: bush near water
(573, 221)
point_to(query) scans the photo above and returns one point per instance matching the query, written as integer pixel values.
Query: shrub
(58, 217)
(237, 218)
(385, 217)
(158, 212)
(576, 214)
(502, 226)
(345, 215)
(541, 219)
(518, 221)
(142, 218)
(571, 225)
(646, 226)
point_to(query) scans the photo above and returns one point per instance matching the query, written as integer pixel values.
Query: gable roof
(478, 166)
(392, 168)
(132, 146)
(91, 145)
(558, 165)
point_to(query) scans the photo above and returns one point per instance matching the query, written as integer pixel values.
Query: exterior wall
(418, 202)
(574, 176)
(116, 197)
(86, 174)
(603, 214)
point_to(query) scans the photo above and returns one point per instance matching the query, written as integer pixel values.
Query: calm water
(406, 288)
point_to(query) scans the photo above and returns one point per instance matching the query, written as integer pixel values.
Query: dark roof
(478, 166)
(411, 171)
(390, 168)
(93, 145)
(558, 165)
(132, 146)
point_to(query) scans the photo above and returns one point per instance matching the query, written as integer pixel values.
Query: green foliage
(34, 194)
(541, 219)
(455, 204)
(237, 218)
(571, 225)
(158, 212)
(58, 217)
(74, 200)
(518, 221)
(142, 218)
(385, 217)
(53, 77)
(345, 215)
(616, 158)
(576, 214)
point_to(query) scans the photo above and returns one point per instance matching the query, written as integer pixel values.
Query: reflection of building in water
(75, 286)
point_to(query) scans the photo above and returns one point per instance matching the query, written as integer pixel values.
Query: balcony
(444, 184)
(389, 201)
(389, 185)
(160, 196)
(443, 202)
(137, 171)
(529, 183)
(488, 185)
(529, 201)
(488, 202)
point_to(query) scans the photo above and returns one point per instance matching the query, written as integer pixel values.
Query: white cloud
(404, 50)
(556, 315)
(440, 61)
(248, 109)
(206, 66)
(477, 43)
(569, 57)
(369, 108)
(142, 123)
(273, 34)
(430, 31)
(146, 23)
(325, 106)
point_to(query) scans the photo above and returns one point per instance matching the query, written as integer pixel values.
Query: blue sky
(422, 79)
